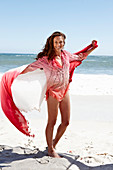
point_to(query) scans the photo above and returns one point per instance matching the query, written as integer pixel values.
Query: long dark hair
(48, 49)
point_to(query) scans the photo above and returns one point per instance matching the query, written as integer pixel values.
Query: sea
(94, 64)
(93, 77)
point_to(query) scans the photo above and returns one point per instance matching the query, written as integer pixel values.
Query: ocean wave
(90, 60)
(104, 61)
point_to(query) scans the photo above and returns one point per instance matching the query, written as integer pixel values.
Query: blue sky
(26, 24)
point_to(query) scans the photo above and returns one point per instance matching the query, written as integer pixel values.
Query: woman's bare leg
(64, 106)
(52, 104)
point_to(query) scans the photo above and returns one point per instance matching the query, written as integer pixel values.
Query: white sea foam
(1, 75)
(92, 84)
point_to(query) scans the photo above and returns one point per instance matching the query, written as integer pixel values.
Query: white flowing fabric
(28, 90)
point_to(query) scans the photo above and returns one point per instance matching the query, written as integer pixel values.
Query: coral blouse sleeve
(35, 65)
(77, 57)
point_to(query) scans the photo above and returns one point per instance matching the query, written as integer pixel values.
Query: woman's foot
(52, 153)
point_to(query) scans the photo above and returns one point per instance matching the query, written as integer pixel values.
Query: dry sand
(86, 145)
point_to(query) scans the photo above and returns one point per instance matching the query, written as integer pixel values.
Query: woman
(58, 66)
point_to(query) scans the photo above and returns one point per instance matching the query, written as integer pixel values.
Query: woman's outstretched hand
(94, 44)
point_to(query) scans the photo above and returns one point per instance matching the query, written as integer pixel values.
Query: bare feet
(52, 153)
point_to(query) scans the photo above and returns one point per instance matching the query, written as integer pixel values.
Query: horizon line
(37, 53)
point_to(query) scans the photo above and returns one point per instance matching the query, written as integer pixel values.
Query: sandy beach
(87, 143)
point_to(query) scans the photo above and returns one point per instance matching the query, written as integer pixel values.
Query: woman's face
(58, 43)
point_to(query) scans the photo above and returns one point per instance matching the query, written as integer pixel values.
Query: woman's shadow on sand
(73, 161)
(12, 154)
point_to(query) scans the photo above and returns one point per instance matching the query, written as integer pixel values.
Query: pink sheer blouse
(57, 75)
